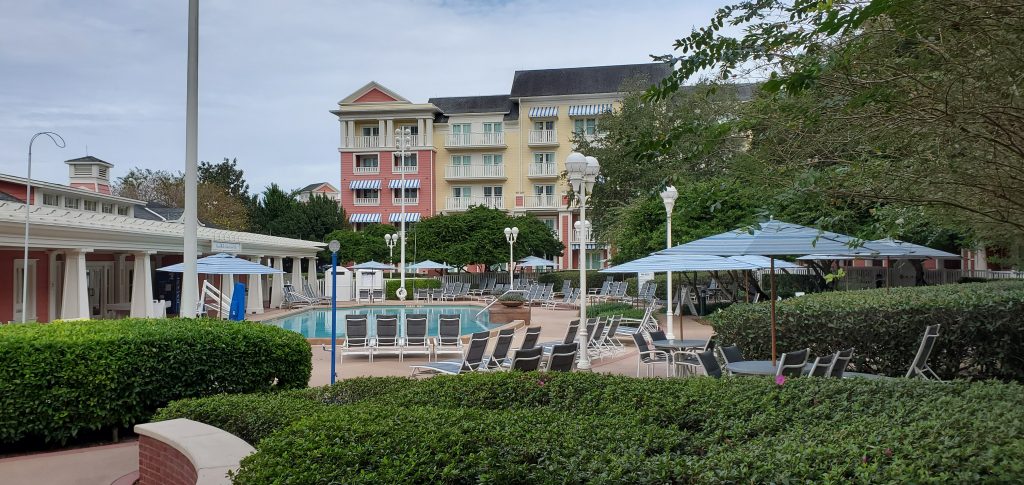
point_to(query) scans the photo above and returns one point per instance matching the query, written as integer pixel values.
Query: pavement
(107, 464)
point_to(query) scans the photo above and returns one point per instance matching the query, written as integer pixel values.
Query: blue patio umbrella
(657, 263)
(535, 262)
(223, 264)
(428, 264)
(373, 265)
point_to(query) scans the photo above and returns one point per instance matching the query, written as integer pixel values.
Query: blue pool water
(316, 323)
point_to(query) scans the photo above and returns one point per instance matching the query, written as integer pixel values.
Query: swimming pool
(316, 323)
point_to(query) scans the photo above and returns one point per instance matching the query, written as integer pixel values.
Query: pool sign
(225, 247)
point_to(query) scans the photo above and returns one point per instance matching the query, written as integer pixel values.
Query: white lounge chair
(471, 362)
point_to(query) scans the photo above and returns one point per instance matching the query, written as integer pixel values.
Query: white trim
(33, 281)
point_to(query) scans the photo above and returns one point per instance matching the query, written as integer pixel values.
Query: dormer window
(89, 205)
(122, 210)
(72, 202)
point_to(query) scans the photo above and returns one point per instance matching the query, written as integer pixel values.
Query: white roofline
(67, 188)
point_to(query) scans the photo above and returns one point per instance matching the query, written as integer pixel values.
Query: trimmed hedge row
(582, 427)
(612, 308)
(391, 286)
(981, 335)
(59, 379)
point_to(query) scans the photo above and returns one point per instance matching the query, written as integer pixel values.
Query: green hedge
(594, 279)
(391, 286)
(60, 379)
(585, 427)
(982, 335)
(613, 308)
(248, 416)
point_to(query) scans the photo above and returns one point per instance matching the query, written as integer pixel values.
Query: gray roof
(162, 212)
(497, 103)
(311, 187)
(585, 80)
(87, 159)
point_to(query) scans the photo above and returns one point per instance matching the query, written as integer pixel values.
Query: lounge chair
(308, 291)
(499, 356)
(437, 294)
(363, 295)
(292, 299)
(357, 338)
(611, 340)
(571, 332)
(919, 367)
(376, 294)
(822, 365)
(421, 294)
(387, 341)
(449, 335)
(415, 340)
(634, 325)
(530, 339)
(471, 362)
(526, 359)
(709, 364)
(792, 364)
(566, 286)
(840, 363)
(648, 357)
(563, 358)
(731, 354)
(595, 340)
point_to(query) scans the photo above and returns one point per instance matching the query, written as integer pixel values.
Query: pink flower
(780, 380)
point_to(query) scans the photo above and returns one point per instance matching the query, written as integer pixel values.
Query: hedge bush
(594, 279)
(59, 379)
(248, 416)
(981, 333)
(391, 286)
(613, 308)
(584, 427)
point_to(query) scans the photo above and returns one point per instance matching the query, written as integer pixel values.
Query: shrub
(391, 286)
(248, 416)
(512, 297)
(613, 308)
(980, 337)
(594, 279)
(59, 379)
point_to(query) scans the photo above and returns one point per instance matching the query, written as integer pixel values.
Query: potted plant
(512, 300)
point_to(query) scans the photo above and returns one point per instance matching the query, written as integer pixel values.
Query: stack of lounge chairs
(560, 357)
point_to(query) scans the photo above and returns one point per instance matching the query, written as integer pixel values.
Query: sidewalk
(95, 465)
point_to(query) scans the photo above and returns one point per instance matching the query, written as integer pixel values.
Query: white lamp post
(391, 240)
(582, 172)
(403, 140)
(669, 196)
(511, 234)
(28, 214)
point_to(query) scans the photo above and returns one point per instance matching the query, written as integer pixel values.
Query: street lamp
(669, 196)
(28, 215)
(391, 240)
(511, 234)
(582, 172)
(334, 246)
(403, 140)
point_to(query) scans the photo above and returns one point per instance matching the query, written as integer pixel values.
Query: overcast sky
(109, 75)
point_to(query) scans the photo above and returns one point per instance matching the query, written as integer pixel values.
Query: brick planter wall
(161, 464)
(501, 314)
(186, 452)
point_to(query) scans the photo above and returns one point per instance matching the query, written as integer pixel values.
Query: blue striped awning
(364, 218)
(409, 184)
(409, 217)
(589, 109)
(776, 238)
(544, 112)
(364, 184)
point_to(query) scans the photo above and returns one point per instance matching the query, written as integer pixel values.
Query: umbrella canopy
(223, 264)
(763, 262)
(774, 238)
(656, 263)
(374, 266)
(535, 262)
(889, 248)
(428, 264)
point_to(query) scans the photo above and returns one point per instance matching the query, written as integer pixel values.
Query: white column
(383, 129)
(76, 287)
(421, 130)
(142, 287)
(297, 274)
(51, 257)
(254, 302)
(351, 128)
(277, 284)
(390, 126)
(311, 274)
(229, 286)
(344, 135)
(430, 132)
(265, 282)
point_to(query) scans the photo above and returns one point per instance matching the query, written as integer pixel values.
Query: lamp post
(28, 215)
(403, 140)
(511, 234)
(334, 246)
(669, 196)
(582, 172)
(391, 240)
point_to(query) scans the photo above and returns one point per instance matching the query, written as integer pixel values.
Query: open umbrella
(428, 264)
(535, 262)
(773, 238)
(679, 262)
(223, 264)
(373, 265)
(889, 249)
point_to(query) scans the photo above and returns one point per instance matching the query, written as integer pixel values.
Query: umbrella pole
(772, 266)
(888, 273)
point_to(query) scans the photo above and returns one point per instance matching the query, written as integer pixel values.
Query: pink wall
(374, 96)
(7, 284)
(425, 173)
(17, 190)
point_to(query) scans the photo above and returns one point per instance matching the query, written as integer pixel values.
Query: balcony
(474, 172)
(543, 201)
(474, 140)
(367, 201)
(365, 170)
(543, 137)
(399, 169)
(364, 142)
(463, 203)
(543, 170)
(397, 201)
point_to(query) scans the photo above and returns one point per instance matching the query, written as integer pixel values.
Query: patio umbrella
(428, 264)
(373, 265)
(773, 238)
(223, 264)
(890, 249)
(535, 262)
(657, 263)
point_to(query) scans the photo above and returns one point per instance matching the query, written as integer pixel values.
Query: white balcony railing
(408, 201)
(543, 137)
(474, 171)
(475, 140)
(405, 169)
(366, 169)
(543, 201)
(463, 203)
(367, 201)
(364, 142)
(543, 169)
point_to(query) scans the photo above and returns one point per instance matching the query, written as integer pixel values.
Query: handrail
(496, 300)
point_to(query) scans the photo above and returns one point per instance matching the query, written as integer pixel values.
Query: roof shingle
(585, 80)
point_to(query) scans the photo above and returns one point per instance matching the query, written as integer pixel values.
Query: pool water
(316, 323)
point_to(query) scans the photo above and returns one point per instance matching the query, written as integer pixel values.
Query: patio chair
(526, 360)
(611, 339)
(840, 363)
(709, 364)
(792, 364)
(414, 339)
(307, 290)
(648, 357)
(657, 335)
(731, 354)
(293, 299)
(499, 356)
(421, 294)
(376, 295)
(471, 362)
(570, 336)
(919, 367)
(566, 286)
(563, 358)
(357, 339)
(530, 338)
(499, 288)
(449, 335)
(595, 340)
(387, 341)
(437, 294)
(634, 325)
(363, 295)
(822, 365)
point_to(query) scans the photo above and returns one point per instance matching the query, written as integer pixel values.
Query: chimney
(89, 173)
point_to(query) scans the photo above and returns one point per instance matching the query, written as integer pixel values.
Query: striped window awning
(544, 112)
(364, 184)
(364, 218)
(409, 217)
(590, 109)
(409, 184)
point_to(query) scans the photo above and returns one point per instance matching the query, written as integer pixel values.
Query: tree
(361, 246)
(225, 174)
(477, 237)
(322, 215)
(277, 213)
(161, 186)
(215, 205)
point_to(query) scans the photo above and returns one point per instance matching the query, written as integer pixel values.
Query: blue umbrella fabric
(764, 262)
(657, 263)
(223, 264)
(890, 249)
(428, 264)
(535, 262)
(373, 265)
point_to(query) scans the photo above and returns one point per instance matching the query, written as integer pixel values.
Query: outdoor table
(677, 344)
(752, 367)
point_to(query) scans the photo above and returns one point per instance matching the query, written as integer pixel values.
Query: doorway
(19, 279)
(99, 275)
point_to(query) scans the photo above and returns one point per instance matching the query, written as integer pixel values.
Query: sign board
(642, 278)
(225, 247)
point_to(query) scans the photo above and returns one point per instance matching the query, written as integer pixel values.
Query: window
(461, 129)
(594, 260)
(492, 127)
(367, 193)
(410, 195)
(586, 126)
(367, 163)
(461, 160)
(543, 125)
(122, 210)
(51, 199)
(371, 131)
(459, 192)
(107, 208)
(72, 202)
(493, 159)
(546, 157)
(544, 190)
(413, 129)
(409, 162)
(90, 205)
(492, 191)
(551, 223)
